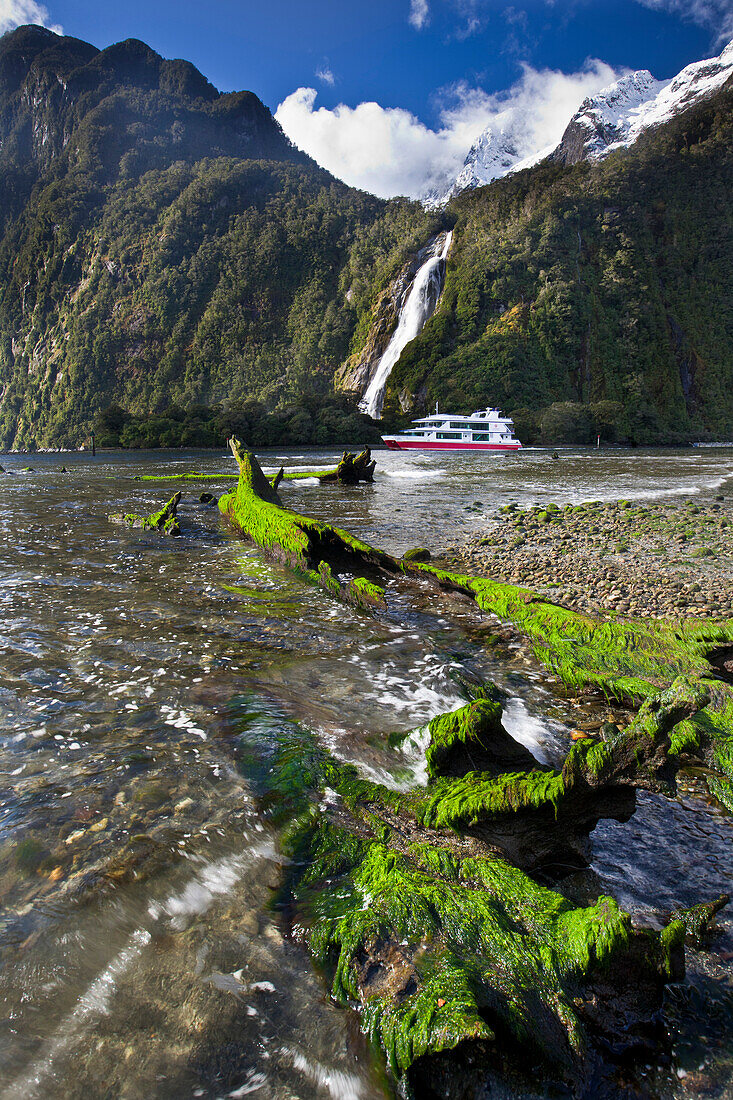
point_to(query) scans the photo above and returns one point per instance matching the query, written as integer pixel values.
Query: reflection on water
(138, 952)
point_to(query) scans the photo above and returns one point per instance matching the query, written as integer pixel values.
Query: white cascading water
(420, 303)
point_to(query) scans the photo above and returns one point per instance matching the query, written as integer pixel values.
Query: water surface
(132, 668)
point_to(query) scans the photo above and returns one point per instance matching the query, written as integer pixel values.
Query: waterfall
(419, 305)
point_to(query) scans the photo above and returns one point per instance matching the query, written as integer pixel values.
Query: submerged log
(424, 906)
(165, 521)
(441, 941)
(540, 818)
(325, 555)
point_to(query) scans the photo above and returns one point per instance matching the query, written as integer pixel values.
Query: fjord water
(140, 954)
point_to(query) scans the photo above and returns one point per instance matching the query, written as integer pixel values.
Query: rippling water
(132, 666)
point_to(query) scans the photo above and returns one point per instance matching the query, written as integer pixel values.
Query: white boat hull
(394, 443)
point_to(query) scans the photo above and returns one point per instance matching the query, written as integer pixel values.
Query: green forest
(171, 265)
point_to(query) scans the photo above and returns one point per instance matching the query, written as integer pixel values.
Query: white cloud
(387, 151)
(715, 14)
(324, 73)
(419, 14)
(15, 13)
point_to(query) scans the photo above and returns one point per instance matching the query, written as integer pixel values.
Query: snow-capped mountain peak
(612, 119)
(617, 115)
(492, 154)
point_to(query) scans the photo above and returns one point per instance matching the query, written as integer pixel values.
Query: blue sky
(433, 61)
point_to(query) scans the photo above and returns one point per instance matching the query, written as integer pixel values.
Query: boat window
(448, 435)
(482, 437)
(454, 425)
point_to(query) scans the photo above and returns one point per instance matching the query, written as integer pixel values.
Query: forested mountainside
(167, 255)
(593, 297)
(164, 244)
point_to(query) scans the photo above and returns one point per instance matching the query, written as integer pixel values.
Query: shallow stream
(134, 668)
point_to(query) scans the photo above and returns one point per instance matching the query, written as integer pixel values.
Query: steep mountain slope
(606, 285)
(164, 243)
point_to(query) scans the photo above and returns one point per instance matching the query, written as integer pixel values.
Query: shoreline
(655, 560)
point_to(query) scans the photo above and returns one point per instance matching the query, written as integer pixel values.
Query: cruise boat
(485, 430)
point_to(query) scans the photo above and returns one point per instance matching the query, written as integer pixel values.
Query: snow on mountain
(612, 119)
(616, 117)
(494, 153)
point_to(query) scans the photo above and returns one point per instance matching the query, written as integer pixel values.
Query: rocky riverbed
(659, 560)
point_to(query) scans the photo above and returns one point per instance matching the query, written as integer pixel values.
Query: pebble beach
(661, 559)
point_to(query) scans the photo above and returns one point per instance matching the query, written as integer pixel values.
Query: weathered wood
(325, 555)
(165, 521)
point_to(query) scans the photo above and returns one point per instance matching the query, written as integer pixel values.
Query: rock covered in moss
(418, 553)
(471, 738)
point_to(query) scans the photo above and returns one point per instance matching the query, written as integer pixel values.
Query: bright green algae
(630, 660)
(164, 521)
(193, 476)
(437, 938)
(473, 724)
(626, 659)
(303, 543)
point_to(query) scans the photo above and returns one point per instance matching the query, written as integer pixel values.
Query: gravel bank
(663, 559)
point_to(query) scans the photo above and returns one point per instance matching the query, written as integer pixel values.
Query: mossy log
(325, 555)
(419, 904)
(631, 661)
(540, 818)
(471, 738)
(165, 521)
(439, 939)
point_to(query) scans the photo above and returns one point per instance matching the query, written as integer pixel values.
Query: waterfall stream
(419, 306)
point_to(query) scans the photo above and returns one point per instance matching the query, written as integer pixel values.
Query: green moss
(369, 594)
(698, 918)
(418, 553)
(436, 946)
(302, 543)
(299, 475)
(193, 476)
(627, 660)
(722, 789)
(437, 941)
(165, 521)
(638, 757)
(471, 725)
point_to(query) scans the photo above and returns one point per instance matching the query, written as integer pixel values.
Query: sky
(389, 94)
